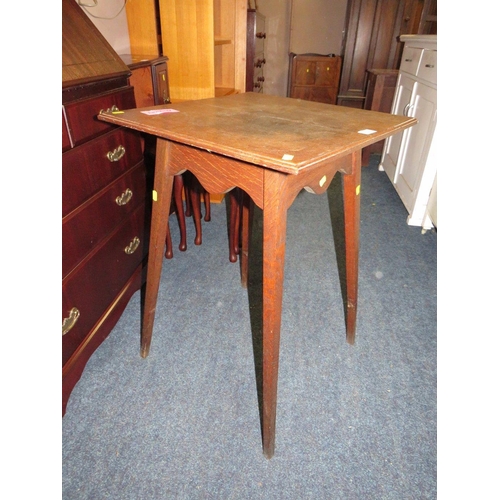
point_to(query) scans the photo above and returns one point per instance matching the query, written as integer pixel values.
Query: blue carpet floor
(353, 422)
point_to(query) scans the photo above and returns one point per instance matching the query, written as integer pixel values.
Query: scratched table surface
(280, 133)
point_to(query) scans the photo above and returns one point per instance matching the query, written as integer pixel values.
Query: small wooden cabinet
(409, 158)
(256, 60)
(105, 206)
(149, 78)
(314, 77)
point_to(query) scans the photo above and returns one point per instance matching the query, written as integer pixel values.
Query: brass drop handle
(134, 244)
(116, 154)
(110, 110)
(69, 322)
(124, 198)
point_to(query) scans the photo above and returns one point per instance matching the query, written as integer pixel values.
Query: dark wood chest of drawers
(256, 61)
(105, 207)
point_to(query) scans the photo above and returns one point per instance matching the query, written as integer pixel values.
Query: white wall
(317, 26)
(112, 26)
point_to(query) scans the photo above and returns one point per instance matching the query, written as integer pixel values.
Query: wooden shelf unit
(204, 40)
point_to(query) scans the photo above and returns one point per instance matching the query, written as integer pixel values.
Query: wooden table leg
(234, 223)
(161, 206)
(179, 210)
(352, 189)
(247, 207)
(274, 243)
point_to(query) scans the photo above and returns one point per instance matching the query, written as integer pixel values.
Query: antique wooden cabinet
(149, 78)
(409, 158)
(256, 61)
(314, 77)
(105, 215)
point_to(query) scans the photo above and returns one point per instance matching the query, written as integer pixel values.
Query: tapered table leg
(352, 189)
(247, 206)
(161, 206)
(179, 210)
(274, 243)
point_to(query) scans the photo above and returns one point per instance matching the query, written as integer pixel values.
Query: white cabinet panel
(406, 158)
(402, 98)
(417, 143)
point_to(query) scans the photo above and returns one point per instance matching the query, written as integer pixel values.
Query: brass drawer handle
(124, 198)
(429, 65)
(110, 110)
(116, 154)
(134, 244)
(260, 35)
(70, 321)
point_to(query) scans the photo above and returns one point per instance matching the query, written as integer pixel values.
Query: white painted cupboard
(409, 158)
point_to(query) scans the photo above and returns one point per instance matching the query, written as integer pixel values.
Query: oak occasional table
(270, 147)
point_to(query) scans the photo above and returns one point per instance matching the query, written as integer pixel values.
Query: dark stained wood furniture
(105, 214)
(269, 147)
(371, 40)
(314, 77)
(256, 61)
(149, 78)
(380, 90)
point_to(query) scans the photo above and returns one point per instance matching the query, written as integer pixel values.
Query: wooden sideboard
(105, 210)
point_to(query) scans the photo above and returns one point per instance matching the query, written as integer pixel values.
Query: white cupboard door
(417, 141)
(402, 99)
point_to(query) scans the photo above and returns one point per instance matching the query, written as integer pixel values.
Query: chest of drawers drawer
(427, 69)
(88, 168)
(85, 228)
(85, 297)
(82, 115)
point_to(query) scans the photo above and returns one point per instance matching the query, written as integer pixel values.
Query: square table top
(280, 133)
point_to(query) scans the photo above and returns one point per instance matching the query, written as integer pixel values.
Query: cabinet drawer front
(94, 286)
(327, 73)
(84, 229)
(66, 141)
(327, 95)
(428, 66)
(411, 60)
(87, 168)
(305, 73)
(82, 115)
